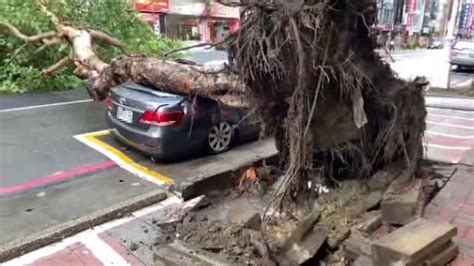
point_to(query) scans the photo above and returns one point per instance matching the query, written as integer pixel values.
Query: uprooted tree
(309, 68)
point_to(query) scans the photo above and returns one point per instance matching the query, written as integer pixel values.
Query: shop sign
(464, 19)
(411, 6)
(218, 10)
(385, 27)
(152, 5)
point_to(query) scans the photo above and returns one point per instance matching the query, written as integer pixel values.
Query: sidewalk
(126, 241)
(455, 204)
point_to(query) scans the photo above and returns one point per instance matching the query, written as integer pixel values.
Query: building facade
(417, 22)
(190, 20)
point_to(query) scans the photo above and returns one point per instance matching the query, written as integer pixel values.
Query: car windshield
(464, 45)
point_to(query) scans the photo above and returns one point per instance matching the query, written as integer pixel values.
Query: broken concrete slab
(362, 261)
(302, 228)
(446, 254)
(340, 234)
(304, 241)
(358, 244)
(216, 172)
(203, 202)
(299, 252)
(401, 208)
(412, 243)
(370, 222)
(382, 179)
(184, 254)
(364, 204)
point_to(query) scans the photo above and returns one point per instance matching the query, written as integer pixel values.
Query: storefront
(185, 27)
(154, 12)
(201, 21)
(222, 20)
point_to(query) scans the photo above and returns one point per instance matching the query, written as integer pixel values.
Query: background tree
(22, 61)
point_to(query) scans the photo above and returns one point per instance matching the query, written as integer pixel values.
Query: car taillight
(162, 119)
(109, 103)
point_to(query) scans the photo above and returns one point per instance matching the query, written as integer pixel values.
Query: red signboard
(411, 6)
(152, 5)
(218, 10)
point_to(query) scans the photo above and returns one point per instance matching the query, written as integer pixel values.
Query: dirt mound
(234, 242)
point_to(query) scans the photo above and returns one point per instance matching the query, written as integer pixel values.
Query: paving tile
(141, 234)
(456, 191)
(448, 215)
(469, 235)
(64, 257)
(470, 199)
(451, 203)
(461, 261)
(462, 229)
(464, 219)
(468, 208)
(86, 256)
(123, 251)
(432, 210)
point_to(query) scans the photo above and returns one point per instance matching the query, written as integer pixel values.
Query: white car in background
(462, 54)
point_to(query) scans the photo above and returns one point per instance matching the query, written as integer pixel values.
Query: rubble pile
(348, 225)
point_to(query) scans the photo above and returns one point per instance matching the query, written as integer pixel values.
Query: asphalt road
(433, 64)
(38, 142)
(37, 133)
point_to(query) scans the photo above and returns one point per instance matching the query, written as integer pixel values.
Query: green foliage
(20, 79)
(20, 64)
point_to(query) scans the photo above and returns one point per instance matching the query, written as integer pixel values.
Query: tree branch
(48, 13)
(47, 43)
(102, 36)
(31, 39)
(187, 48)
(58, 66)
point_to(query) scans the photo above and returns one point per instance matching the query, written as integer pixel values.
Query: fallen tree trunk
(170, 77)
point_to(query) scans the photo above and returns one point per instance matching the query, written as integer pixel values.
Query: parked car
(436, 45)
(462, 54)
(168, 126)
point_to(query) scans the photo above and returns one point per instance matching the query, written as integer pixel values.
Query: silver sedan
(462, 54)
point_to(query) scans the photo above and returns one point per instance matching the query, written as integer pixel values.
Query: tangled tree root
(336, 109)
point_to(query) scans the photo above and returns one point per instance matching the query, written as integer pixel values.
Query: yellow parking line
(93, 138)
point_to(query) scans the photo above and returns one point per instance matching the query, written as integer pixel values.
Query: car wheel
(220, 137)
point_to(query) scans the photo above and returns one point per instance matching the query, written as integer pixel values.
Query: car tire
(220, 137)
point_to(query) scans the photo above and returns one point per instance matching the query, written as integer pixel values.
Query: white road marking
(103, 252)
(44, 106)
(452, 117)
(451, 110)
(93, 232)
(448, 124)
(430, 132)
(457, 148)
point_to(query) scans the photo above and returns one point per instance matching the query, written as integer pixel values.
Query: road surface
(433, 64)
